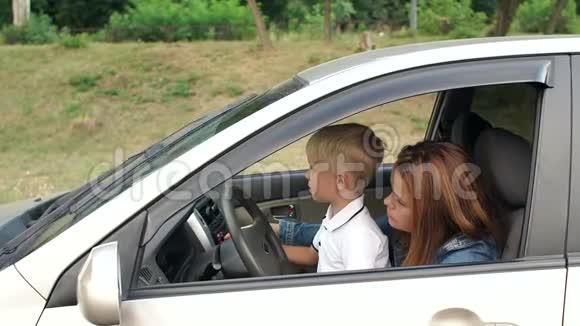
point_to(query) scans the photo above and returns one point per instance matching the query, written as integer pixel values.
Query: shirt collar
(332, 223)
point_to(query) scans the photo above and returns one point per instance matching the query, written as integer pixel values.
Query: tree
(20, 12)
(275, 10)
(413, 16)
(555, 17)
(5, 12)
(79, 15)
(378, 12)
(489, 7)
(328, 19)
(505, 14)
(260, 27)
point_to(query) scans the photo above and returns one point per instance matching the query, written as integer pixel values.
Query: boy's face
(322, 181)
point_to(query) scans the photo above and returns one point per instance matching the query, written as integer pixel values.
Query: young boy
(343, 160)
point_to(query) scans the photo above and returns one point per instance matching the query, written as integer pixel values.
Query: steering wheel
(258, 246)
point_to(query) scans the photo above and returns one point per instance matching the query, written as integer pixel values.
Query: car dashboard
(190, 248)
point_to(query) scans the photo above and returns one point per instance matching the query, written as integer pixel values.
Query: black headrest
(505, 160)
(466, 128)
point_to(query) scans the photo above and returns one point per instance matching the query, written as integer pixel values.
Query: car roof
(337, 66)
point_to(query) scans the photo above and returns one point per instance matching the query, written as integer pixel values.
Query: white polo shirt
(350, 240)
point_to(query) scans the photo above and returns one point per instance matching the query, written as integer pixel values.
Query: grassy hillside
(67, 115)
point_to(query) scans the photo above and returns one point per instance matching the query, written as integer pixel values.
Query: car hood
(8, 211)
(16, 217)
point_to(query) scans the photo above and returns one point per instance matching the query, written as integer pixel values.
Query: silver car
(143, 244)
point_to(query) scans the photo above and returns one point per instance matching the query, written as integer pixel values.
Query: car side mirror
(99, 286)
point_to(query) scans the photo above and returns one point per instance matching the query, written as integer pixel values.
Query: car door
(506, 292)
(526, 291)
(571, 314)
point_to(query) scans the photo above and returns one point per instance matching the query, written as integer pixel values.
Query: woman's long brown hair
(448, 198)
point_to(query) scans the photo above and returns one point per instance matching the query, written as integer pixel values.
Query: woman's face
(398, 205)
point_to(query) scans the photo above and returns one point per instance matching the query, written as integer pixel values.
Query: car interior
(494, 127)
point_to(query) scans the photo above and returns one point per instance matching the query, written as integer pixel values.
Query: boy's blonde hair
(349, 143)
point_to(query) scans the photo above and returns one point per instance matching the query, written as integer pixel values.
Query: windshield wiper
(147, 153)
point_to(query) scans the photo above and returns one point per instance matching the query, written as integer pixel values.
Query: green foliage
(79, 15)
(450, 17)
(167, 20)
(84, 82)
(69, 41)
(39, 30)
(13, 35)
(375, 12)
(488, 7)
(309, 19)
(342, 10)
(5, 12)
(533, 16)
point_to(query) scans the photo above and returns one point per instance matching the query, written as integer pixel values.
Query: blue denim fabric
(459, 249)
(296, 233)
(462, 249)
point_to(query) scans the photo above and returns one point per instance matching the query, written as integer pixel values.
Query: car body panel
(60, 316)
(524, 298)
(20, 304)
(336, 66)
(571, 312)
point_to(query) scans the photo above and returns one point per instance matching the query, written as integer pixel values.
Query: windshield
(86, 199)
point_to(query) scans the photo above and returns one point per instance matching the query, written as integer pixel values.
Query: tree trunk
(505, 14)
(20, 12)
(262, 33)
(413, 16)
(366, 41)
(327, 20)
(555, 17)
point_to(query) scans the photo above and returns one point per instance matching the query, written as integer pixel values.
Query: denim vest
(459, 249)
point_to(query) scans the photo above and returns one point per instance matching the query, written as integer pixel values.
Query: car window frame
(550, 182)
(417, 81)
(573, 227)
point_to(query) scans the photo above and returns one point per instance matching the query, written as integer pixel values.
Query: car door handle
(461, 317)
(283, 212)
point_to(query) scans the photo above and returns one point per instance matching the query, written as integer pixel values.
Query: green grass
(68, 41)
(66, 113)
(234, 90)
(84, 82)
(419, 123)
(180, 89)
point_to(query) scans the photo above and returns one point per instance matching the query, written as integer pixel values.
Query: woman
(438, 212)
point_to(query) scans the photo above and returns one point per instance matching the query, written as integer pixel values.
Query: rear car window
(511, 107)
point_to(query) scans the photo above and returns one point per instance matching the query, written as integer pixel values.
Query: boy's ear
(345, 180)
(340, 179)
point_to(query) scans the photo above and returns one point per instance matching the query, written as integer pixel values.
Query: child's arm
(305, 256)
